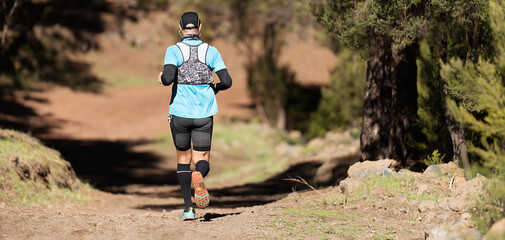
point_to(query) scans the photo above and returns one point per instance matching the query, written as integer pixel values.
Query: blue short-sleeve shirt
(193, 101)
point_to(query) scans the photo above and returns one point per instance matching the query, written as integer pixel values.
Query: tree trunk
(457, 134)
(390, 104)
(281, 115)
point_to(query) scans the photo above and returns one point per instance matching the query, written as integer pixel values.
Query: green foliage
(490, 207)
(459, 28)
(434, 158)
(479, 90)
(341, 104)
(358, 23)
(431, 119)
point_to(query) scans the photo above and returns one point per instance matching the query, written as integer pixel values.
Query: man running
(189, 65)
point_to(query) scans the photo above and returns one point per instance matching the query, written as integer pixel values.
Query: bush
(341, 104)
(434, 158)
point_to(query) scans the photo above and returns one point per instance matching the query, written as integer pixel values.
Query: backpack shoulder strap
(184, 50)
(202, 52)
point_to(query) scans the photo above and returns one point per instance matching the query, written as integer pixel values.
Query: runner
(189, 65)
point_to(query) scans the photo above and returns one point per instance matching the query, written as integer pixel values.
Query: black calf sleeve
(203, 167)
(184, 177)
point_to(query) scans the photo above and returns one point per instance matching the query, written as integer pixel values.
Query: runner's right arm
(225, 79)
(168, 76)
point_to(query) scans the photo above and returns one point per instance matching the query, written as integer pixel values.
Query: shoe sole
(188, 218)
(202, 197)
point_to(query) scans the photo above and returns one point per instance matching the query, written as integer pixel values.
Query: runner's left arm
(172, 60)
(217, 64)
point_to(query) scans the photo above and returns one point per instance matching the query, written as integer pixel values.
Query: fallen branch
(299, 179)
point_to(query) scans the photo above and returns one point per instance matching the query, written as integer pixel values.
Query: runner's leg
(182, 139)
(201, 136)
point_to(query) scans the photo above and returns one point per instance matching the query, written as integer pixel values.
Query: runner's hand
(213, 86)
(159, 78)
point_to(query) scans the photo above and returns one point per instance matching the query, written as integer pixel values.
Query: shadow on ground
(108, 165)
(266, 192)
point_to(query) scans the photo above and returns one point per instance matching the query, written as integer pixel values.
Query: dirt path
(115, 216)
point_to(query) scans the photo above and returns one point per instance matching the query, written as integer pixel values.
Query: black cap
(190, 20)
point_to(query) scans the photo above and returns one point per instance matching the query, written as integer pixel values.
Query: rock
(473, 186)
(350, 185)
(426, 205)
(387, 172)
(444, 204)
(423, 189)
(463, 228)
(433, 170)
(446, 169)
(324, 173)
(409, 173)
(459, 204)
(458, 182)
(462, 223)
(430, 217)
(284, 149)
(295, 135)
(337, 137)
(315, 143)
(333, 151)
(497, 231)
(367, 168)
(437, 232)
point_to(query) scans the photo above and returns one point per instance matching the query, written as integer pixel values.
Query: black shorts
(185, 130)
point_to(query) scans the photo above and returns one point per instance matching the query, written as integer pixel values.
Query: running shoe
(189, 215)
(202, 197)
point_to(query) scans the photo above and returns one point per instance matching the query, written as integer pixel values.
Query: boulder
(446, 169)
(473, 186)
(367, 168)
(497, 231)
(462, 228)
(409, 173)
(422, 189)
(350, 185)
(284, 149)
(426, 205)
(459, 204)
(458, 182)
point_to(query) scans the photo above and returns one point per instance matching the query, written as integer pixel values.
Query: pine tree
(386, 33)
(478, 92)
